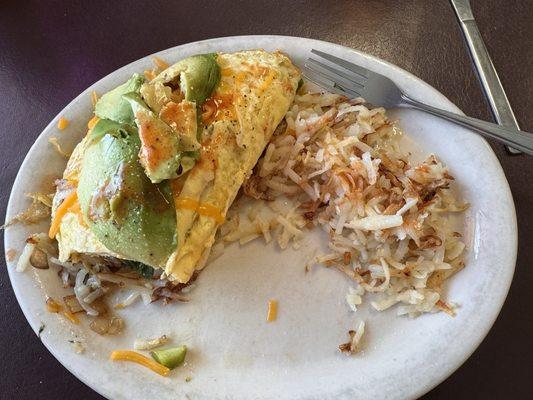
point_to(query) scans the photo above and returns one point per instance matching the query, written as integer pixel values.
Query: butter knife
(488, 77)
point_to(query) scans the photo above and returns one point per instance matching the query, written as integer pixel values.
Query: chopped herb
(41, 329)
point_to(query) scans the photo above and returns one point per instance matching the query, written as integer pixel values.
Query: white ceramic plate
(234, 352)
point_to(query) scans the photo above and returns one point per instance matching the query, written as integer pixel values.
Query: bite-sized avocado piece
(128, 214)
(113, 107)
(162, 148)
(171, 357)
(159, 153)
(197, 76)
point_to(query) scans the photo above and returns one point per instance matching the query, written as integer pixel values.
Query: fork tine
(355, 79)
(343, 63)
(323, 84)
(330, 86)
(336, 81)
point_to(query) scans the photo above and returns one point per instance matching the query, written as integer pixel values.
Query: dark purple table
(52, 50)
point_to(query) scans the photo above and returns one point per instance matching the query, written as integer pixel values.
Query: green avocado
(128, 214)
(167, 167)
(174, 160)
(197, 75)
(104, 126)
(113, 107)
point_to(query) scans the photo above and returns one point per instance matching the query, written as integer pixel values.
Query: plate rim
(456, 363)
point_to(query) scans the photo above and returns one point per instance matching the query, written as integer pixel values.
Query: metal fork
(343, 77)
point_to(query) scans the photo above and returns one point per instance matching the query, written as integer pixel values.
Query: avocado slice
(159, 152)
(197, 76)
(112, 106)
(104, 126)
(130, 215)
(164, 154)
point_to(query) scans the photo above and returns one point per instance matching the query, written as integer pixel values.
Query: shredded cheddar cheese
(205, 209)
(76, 209)
(149, 74)
(62, 123)
(272, 310)
(128, 355)
(266, 83)
(159, 63)
(71, 317)
(240, 76)
(92, 122)
(69, 201)
(94, 98)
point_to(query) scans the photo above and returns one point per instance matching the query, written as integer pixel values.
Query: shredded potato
(340, 166)
(53, 141)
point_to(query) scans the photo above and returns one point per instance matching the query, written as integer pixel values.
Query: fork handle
(515, 138)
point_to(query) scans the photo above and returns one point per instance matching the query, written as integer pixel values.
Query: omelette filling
(164, 157)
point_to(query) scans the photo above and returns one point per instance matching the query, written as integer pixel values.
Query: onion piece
(81, 291)
(72, 303)
(39, 259)
(149, 344)
(24, 259)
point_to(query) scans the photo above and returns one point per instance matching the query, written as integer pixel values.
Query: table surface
(51, 51)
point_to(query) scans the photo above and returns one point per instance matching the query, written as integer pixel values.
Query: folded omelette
(164, 159)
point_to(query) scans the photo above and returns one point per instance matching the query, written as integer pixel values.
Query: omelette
(164, 159)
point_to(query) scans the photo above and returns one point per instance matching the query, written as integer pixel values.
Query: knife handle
(492, 86)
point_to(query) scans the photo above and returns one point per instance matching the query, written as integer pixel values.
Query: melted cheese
(247, 105)
(203, 209)
(267, 82)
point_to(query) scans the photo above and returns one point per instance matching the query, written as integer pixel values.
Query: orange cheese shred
(272, 310)
(92, 122)
(149, 74)
(69, 201)
(204, 209)
(159, 62)
(128, 355)
(268, 80)
(94, 98)
(62, 123)
(240, 76)
(76, 209)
